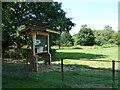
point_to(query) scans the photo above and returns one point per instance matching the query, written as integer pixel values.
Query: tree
(115, 38)
(66, 39)
(107, 33)
(84, 26)
(58, 42)
(108, 27)
(19, 15)
(74, 37)
(85, 37)
(104, 36)
(99, 40)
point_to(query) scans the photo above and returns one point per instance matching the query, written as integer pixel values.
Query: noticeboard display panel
(41, 44)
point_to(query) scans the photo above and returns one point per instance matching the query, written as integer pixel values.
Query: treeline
(88, 37)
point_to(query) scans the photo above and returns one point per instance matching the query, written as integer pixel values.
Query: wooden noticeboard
(40, 44)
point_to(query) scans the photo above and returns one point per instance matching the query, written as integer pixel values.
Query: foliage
(85, 37)
(66, 39)
(106, 36)
(19, 15)
(17, 53)
(84, 26)
(115, 38)
(52, 51)
(74, 37)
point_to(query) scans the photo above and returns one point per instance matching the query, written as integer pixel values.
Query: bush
(16, 53)
(52, 51)
(108, 45)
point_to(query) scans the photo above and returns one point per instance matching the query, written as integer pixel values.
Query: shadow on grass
(86, 67)
(67, 55)
(77, 48)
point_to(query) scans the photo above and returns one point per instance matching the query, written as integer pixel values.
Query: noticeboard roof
(37, 29)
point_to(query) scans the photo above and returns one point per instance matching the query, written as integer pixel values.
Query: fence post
(113, 74)
(62, 69)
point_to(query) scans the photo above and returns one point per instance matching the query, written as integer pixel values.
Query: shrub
(52, 51)
(16, 53)
(108, 45)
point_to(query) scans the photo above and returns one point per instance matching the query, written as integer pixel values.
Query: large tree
(19, 15)
(66, 39)
(105, 36)
(85, 37)
(74, 37)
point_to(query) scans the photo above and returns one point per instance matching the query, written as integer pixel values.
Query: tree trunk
(59, 46)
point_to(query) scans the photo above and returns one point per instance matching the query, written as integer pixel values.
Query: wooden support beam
(33, 43)
(48, 41)
(49, 30)
(42, 33)
(49, 48)
(34, 59)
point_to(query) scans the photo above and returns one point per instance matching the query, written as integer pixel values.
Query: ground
(80, 71)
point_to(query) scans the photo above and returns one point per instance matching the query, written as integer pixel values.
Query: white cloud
(106, 8)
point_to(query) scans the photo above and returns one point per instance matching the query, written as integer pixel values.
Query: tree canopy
(85, 37)
(18, 15)
(66, 39)
(105, 36)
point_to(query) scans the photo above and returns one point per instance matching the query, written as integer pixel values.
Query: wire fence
(101, 73)
(102, 77)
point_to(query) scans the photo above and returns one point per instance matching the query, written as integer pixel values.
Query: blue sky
(95, 13)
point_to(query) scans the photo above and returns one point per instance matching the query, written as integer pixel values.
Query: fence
(80, 75)
(112, 80)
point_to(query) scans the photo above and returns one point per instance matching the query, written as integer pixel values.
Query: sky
(95, 13)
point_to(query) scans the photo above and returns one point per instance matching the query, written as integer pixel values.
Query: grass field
(90, 54)
(17, 76)
(86, 56)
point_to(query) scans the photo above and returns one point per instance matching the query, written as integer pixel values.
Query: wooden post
(33, 43)
(113, 74)
(48, 43)
(49, 48)
(62, 69)
(35, 59)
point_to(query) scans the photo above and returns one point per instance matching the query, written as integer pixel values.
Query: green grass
(15, 76)
(85, 56)
(92, 54)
